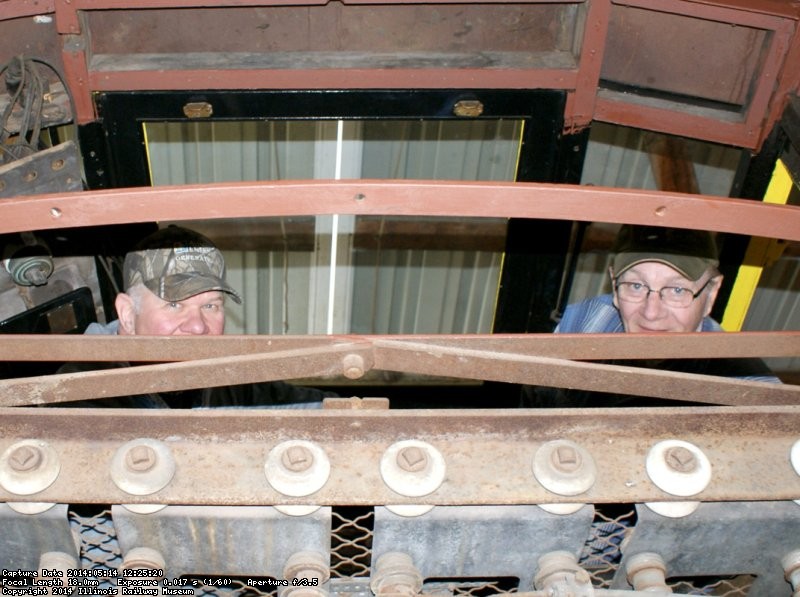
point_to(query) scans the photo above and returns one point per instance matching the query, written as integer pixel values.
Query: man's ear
(613, 287)
(126, 312)
(712, 294)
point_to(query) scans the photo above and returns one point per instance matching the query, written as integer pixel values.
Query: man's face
(202, 314)
(653, 315)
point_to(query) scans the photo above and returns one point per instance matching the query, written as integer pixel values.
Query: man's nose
(653, 305)
(194, 323)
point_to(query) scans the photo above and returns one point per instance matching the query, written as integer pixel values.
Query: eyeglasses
(674, 296)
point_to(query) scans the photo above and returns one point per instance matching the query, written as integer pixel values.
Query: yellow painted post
(760, 252)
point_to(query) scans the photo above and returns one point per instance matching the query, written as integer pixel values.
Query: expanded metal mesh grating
(602, 551)
(351, 542)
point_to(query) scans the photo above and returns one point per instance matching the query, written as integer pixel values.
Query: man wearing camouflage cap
(175, 285)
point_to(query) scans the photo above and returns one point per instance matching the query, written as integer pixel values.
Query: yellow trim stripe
(760, 252)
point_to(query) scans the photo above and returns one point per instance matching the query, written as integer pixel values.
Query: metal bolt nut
(143, 558)
(142, 466)
(297, 458)
(566, 459)
(395, 574)
(58, 560)
(647, 572)
(413, 468)
(564, 468)
(678, 467)
(141, 458)
(412, 459)
(28, 467)
(680, 459)
(559, 570)
(26, 458)
(310, 565)
(297, 468)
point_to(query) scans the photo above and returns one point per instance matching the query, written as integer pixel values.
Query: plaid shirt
(599, 316)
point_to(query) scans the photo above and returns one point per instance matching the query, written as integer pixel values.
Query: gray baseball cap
(177, 263)
(689, 252)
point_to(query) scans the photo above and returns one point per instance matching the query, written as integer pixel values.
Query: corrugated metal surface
(776, 305)
(375, 291)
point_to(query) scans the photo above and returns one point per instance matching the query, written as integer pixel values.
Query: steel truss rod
(220, 455)
(406, 198)
(353, 358)
(420, 358)
(326, 361)
(58, 348)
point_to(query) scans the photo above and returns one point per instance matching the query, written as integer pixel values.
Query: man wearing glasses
(663, 280)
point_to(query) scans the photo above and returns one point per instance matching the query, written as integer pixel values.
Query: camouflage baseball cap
(175, 264)
(689, 252)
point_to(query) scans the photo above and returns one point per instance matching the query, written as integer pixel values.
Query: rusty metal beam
(66, 348)
(428, 358)
(424, 359)
(446, 199)
(488, 453)
(324, 361)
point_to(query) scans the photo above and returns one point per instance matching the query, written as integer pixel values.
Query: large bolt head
(142, 466)
(413, 468)
(563, 467)
(412, 459)
(297, 468)
(26, 458)
(28, 466)
(678, 467)
(141, 458)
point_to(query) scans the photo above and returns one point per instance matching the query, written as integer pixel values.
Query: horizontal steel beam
(220, 455)
(34, 347)
(406, 198)
(512, 359)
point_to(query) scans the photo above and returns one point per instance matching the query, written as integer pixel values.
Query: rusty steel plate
(220, 454)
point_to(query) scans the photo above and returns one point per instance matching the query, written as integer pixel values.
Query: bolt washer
(564, 482)
(147, 481)
(673, 481)
(676, 482)
(301, 482)
(36, 479)
(415, 483)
